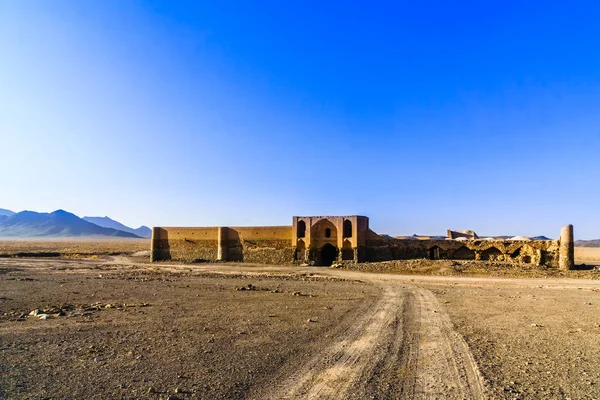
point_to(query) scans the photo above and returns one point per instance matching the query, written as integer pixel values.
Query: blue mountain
(55, 224)
(5, 212)
(106, 222)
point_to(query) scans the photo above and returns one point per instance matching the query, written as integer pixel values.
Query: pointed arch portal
(328, 254)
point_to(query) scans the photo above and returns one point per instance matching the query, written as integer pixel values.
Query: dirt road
(403, 346)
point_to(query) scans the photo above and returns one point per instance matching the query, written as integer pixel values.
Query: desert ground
(88, 320)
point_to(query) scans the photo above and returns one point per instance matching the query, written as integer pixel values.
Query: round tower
(566, 257)
(222, 243)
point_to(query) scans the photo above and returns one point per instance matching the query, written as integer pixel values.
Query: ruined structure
(464, 234)
(567, 248)
(328, 239)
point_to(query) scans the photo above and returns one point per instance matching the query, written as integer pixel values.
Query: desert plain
(97, 320)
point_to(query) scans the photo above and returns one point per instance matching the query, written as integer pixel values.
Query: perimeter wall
(260, 244)
(277, 245)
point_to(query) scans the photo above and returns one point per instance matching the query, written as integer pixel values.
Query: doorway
(434, 253)
(328, 254)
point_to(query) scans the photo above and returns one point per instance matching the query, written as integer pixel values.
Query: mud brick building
(323, 240)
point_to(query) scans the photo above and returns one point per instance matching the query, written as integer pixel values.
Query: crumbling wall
(468, 234)
(538, 252)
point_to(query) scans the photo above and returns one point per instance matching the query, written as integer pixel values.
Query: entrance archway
(434, 253)
(328, 254)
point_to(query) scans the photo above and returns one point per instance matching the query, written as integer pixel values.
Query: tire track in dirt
(403, 347)
(330, 374)
(445, 367)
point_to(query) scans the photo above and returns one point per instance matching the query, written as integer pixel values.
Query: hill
(106, 222)
(54, 224)
(5, 212)
(588, 243)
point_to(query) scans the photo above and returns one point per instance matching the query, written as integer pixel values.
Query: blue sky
(423, 116)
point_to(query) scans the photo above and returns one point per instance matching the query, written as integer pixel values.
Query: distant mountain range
(588, 243)
(105, 222)
(60, 223)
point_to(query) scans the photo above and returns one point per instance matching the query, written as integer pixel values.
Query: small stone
(172, 397)
(43, 316)
(310, 320)
(151, 390)
(211, 340)
(34, 312)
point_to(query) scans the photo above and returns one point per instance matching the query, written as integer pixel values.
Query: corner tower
(566, 255)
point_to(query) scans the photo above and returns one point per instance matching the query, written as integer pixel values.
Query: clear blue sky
(421, 115)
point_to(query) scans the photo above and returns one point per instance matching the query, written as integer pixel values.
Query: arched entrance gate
(328, 254)
(323, 242)
(326, 240)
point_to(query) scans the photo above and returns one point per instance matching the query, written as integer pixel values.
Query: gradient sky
(422, 115)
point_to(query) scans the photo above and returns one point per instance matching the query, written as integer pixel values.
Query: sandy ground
(137, 330)
(587, 255)
(72, 248)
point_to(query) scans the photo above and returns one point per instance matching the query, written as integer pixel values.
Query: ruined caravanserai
(325, 240)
